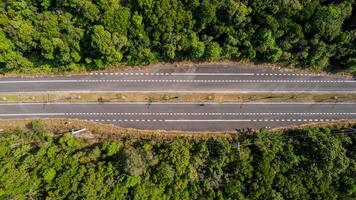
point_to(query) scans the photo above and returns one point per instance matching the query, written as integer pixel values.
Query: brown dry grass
(332, 125)
(186, 63)
(98, 131)
(176, 97)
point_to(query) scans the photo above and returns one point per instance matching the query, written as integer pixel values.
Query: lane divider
(212, 120)
(32, 114)
(225, 81)
(215, 81)
(195, 114)
(128, 74)
(195, 74)
(176, 120)
(213, 74)
(175, 81)
(125, 120)
(207, 120)
(162, 114)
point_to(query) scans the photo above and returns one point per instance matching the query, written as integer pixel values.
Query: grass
(175, 97)
(97, 132)
(83, 69)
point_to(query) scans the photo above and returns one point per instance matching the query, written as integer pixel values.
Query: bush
(37, 126)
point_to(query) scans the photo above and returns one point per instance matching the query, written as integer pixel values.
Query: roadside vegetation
(57, 36)
(308, 163)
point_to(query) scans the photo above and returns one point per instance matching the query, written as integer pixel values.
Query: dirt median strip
(176, 97)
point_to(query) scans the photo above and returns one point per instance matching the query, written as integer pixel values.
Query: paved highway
(204, 78)
(185, 116)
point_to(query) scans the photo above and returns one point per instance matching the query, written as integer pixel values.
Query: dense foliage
(301, 164)
(71, 35)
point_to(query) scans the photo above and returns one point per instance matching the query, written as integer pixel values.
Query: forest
(307, 163)
(79, 35)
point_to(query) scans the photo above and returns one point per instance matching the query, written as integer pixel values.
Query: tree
(45, 3)
(117, 20)
(237, 12)
(274, 54)
(310, 163)
(49, 174)
(197, 48)
(9, 58)
(329, 19)
(133, 163)
(76, 35)
(111, 148)
(37, 126)
(169, 50)
(207, 12)
(351, 63)
(101, 41)
(213, 51)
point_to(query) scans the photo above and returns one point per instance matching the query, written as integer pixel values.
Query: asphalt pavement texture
(221, 78)
(204, 78)
(187, 116)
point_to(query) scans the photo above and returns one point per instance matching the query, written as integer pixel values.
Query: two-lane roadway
(201, 79)
(186, 116)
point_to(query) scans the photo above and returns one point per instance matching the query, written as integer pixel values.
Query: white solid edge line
(95, 81)
(41, 81)
(186, 91)
(177, 103)
(208, 120)
(212, 74)
(32, 114)
(207, 113)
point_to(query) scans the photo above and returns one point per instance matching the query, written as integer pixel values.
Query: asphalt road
(210, 78)
(188, 117)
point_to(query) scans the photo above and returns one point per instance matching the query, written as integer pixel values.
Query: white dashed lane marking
(173, 81)
(327, 117)
(195, 74)
(212, 120)
(32, 114)
(203, 81)
(208, 120)
(211, 113)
